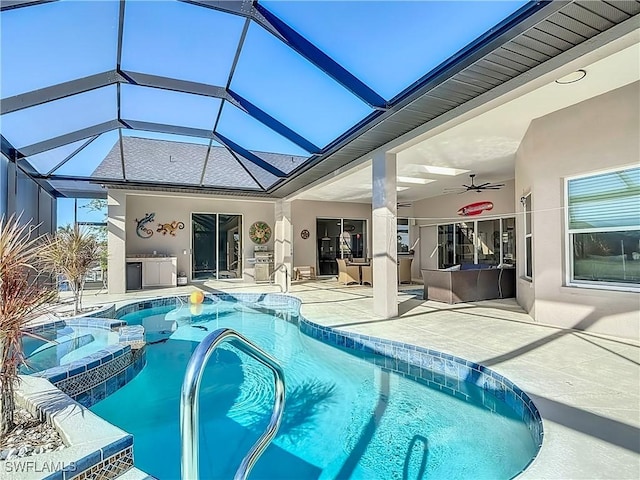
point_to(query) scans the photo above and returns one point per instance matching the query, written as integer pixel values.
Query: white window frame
(569, 281)
(525, 255)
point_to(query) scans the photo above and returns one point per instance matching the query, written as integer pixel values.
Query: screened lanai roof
(240, 96)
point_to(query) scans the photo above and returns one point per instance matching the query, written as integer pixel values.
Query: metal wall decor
(304, 234)
(474, 209)
(170, 228)
(141, 229)
(260, 233)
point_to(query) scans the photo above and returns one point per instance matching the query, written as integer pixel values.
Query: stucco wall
(168, 208)
(303, 216)
(442, 209)
(597, 134)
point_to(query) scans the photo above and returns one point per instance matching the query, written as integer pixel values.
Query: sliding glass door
(339, 238)
(216, 246)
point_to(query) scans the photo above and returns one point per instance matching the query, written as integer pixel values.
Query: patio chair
(347, 274)
(367, 274)
(404, 270)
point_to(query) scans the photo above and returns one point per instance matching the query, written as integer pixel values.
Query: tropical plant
(71, 252)
(22, 297)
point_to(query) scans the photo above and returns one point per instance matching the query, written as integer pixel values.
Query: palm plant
(71, 252)
(22, 297)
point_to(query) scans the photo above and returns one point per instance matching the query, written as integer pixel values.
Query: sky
(387, 45)
(65, 212)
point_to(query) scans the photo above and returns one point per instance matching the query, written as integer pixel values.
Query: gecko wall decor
(170, 228)
(141, 229)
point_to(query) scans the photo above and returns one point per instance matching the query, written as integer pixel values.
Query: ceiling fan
(475, 188)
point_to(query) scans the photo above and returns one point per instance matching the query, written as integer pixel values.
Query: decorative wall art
(141, 229)
(304, 233)
(260, 233)
(475, 208)
(170, 228)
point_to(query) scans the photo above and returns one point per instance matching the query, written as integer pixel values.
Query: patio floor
(586, 386)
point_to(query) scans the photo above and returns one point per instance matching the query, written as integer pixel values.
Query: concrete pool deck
(586, 386)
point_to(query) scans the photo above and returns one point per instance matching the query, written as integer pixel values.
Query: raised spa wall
(96, 376)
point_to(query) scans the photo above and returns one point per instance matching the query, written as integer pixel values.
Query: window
(490, 243)
(603, 220)
(528, 237)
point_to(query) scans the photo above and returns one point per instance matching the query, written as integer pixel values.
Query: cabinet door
(151, 273)
(167, 274)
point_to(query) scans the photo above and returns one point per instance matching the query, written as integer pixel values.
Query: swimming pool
(63, 344)
(345, 416)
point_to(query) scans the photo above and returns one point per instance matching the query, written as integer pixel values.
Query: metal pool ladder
(189, 402)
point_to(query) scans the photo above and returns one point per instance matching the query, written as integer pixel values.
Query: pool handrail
(189, 401)
(286, 276)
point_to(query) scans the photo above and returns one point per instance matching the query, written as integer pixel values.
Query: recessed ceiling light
(572, 77)
(451, 172)
(417, 180)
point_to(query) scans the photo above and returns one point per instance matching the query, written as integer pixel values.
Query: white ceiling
(486, 143)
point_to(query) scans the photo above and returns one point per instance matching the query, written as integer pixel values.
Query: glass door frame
(339, 252)
(217, 246)
(473, 223)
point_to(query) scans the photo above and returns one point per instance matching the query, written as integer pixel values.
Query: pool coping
(93, 445)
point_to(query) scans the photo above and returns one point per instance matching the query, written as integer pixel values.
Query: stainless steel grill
(264, 265)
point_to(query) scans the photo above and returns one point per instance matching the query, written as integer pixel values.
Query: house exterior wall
(598, 134)
(124, 241)
(433, 211)
(303, 216)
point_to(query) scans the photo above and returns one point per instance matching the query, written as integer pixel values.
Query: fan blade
(482, 185)
(468, 186)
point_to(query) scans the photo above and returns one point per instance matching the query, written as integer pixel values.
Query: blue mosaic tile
(130, 373)
(75, 369)
(451, 382)
(439, 378)
(54, 374)
(98, 393)
(83, 464)
(117, 446)
(111, 385)
(84, 399)
(415, 370)
(121, 379)
(55, 476)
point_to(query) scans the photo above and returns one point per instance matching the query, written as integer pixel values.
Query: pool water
(60, 346)
(344, 416)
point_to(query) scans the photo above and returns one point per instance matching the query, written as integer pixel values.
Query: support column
(116, 240)
(385, 232)
(283, 244)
